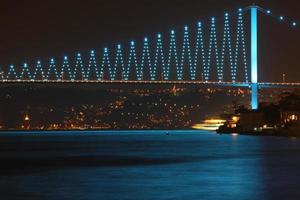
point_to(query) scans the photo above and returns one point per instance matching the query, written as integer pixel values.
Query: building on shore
(281, 118)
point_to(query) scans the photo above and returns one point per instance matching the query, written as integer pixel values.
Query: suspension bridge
(222, 58)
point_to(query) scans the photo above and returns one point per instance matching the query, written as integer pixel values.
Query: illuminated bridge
(223, 53)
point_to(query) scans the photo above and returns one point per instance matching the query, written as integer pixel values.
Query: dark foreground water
(190, 165)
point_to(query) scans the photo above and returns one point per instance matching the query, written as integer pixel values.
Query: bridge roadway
(228, 84)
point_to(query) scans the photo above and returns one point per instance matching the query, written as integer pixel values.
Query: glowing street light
(26, 118)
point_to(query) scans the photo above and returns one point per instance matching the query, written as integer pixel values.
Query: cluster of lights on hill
(165, 58)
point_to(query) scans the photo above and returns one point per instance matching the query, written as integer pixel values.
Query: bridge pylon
(254, 58)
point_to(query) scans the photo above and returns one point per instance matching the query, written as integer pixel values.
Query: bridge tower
(254, 58)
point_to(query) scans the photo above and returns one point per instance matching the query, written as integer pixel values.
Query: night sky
(36, 29)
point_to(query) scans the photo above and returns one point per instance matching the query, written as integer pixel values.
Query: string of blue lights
(198, 55)
(135, 67)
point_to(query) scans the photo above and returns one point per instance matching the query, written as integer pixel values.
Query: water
(183, 165)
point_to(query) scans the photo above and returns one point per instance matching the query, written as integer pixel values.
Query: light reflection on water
(148, 165)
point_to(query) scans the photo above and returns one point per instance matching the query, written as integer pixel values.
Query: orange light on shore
(26, 118)
(214, 121)
(209, 124)
(235, 119)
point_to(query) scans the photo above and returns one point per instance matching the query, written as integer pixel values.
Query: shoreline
(41, 132)
(262, 134)
(78, 130)
(166, 131)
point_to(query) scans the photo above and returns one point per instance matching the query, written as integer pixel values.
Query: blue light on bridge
(173, 54)
(11, 72)
(78, 67)
(144, 63)
(65, 69)
(185, 56)
(227, 43)
(25, 73)
(188, 58)
(254, 51)
(38, 71)
(213, 47)
(160, 57)
(93, 66)
(52, 69)
(118, 63)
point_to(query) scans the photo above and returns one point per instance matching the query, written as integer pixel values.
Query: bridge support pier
(254, 96)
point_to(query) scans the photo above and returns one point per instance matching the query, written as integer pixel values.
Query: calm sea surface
(152, 165)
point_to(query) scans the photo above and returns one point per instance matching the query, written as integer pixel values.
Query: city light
(235, 119)
(26, 118)
(209, 124)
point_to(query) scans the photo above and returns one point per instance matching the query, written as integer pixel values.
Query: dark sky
(35, 29)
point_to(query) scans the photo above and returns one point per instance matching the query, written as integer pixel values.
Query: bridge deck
(229, 84)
